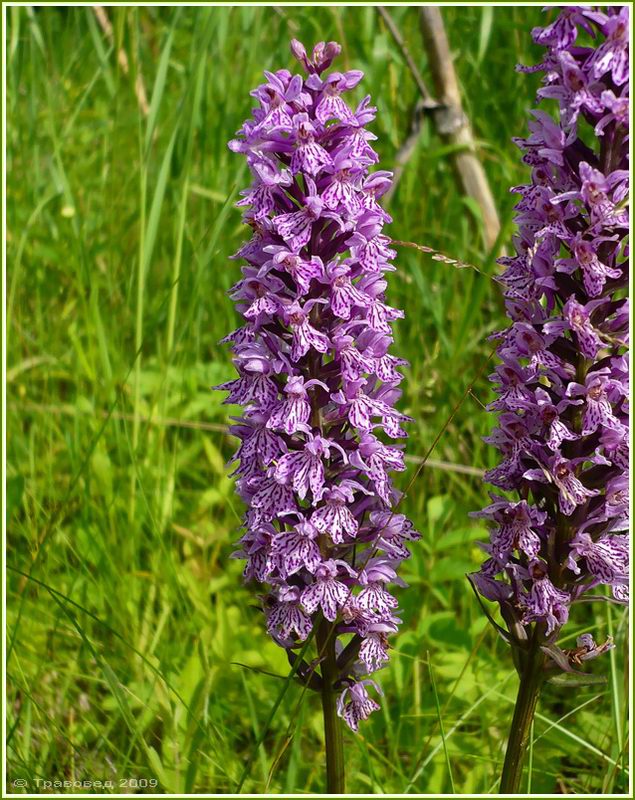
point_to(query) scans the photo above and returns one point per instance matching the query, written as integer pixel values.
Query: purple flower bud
(561, 392)
(315, 375)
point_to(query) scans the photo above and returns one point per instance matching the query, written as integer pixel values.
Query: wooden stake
(451, 122)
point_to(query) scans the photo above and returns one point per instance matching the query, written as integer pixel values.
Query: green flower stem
(333, 739)
(531, 682)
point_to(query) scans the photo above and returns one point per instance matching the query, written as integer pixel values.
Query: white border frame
(282, 4)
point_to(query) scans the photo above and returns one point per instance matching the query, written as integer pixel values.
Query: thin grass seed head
(561, 531)
(315, 375)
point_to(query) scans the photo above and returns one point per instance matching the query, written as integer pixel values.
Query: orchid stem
(531, 682)
(333, 739)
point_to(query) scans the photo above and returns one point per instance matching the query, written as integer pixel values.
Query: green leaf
(157, 203)
(485, 32)
(449, 569)
(159, 86)
(575, 679)
(448, 631)
(15, 490)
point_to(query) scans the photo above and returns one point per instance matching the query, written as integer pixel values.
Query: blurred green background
(135, 652)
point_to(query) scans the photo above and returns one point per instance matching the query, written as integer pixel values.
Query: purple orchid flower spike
(562, 393)
(319, 385)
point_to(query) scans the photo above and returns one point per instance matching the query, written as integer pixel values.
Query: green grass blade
(440, 720)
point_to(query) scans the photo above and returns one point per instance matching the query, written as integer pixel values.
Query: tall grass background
(134, 650)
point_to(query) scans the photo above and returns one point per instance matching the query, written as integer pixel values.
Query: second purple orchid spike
(562, 385)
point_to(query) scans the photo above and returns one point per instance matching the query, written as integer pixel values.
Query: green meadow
(135, 654)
